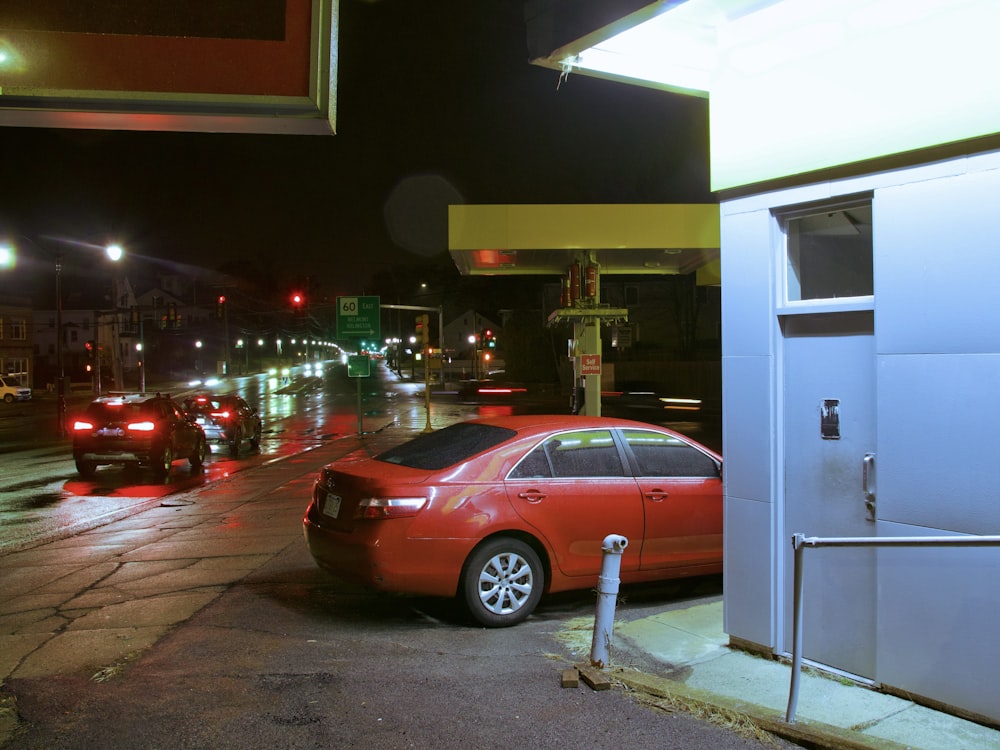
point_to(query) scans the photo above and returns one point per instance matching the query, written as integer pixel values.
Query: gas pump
(582, 307)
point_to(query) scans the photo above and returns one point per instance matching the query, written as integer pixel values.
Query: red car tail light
(220, 414)
(141, 426)
(390, 507)
(81, 425)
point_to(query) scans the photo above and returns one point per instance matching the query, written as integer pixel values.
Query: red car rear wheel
(503, 582)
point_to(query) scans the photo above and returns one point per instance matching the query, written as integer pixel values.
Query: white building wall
(938, 340)
(747, 372)
(937, 334)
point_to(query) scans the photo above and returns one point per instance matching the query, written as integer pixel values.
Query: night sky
(437, 101)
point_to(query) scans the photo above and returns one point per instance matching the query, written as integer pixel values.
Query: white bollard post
(607, 597)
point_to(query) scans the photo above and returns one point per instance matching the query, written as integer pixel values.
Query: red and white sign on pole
(590, 364)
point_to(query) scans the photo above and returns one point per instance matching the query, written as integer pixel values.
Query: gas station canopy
(486, 240)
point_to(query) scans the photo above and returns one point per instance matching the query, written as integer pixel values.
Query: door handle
(657, 496)
(532, 496)
(868, 484)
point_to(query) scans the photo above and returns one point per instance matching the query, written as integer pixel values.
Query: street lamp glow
(7, 256)
(114, 252)
(197, 344)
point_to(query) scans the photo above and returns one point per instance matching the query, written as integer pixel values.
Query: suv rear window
(447, 447)
(122, 411)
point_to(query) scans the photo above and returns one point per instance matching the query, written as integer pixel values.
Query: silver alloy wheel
(505, 583)
(502, 581)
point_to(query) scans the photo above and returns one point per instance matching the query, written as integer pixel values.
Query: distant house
(17, 340)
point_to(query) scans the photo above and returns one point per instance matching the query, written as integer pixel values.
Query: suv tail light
(82, 425)
(141, 426)
(390, 507)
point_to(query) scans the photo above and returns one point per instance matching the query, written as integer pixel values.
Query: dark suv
(136, 429)
(226, 419)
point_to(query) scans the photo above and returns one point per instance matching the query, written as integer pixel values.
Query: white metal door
(829, 453)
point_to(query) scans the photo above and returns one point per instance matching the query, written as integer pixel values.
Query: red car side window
(586, 453)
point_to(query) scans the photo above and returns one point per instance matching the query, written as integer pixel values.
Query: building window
(17, 368)
(18, 329)
(828, 251)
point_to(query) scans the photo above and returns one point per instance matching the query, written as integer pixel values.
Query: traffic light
(220, 307)
(488, 339)
(298, 301)
(424, 329)
(91, 347)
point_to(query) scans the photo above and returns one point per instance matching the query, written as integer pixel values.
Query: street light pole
(60, 373)
(114, 253)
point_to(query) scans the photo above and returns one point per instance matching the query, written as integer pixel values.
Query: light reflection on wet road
(41, 493)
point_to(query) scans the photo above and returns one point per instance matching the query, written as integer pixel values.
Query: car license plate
(332, 506)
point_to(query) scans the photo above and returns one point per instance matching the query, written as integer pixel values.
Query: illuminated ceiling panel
(798, 87)
(670, 45)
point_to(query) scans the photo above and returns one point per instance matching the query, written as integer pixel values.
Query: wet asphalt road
(289, 657)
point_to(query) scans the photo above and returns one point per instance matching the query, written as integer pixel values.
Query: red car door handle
(532, 496)
(657, 496)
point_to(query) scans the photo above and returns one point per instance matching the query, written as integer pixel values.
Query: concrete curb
(810, 733)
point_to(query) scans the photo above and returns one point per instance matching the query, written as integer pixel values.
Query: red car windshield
(447, 447)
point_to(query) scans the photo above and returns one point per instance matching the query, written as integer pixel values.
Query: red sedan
(498, 511)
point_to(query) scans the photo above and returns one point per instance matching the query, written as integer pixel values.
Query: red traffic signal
(297, 299)
(424, 329)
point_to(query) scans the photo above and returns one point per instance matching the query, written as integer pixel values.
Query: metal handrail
(800, 542)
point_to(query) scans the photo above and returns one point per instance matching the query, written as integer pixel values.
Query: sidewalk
(686, 661)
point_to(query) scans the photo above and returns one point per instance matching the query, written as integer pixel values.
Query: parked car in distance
(497, 511)
(227, 419)
(10, 391)
(137, 430)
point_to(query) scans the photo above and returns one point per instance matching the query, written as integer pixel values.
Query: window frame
(782, 218)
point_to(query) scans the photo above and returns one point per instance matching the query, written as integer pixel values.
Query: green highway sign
(359, 318)
(359, 366)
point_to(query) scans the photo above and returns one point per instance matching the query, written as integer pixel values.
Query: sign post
(359, 318)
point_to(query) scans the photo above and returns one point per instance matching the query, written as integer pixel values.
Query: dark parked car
(138, 430)
(497, 511)
(227, 420)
